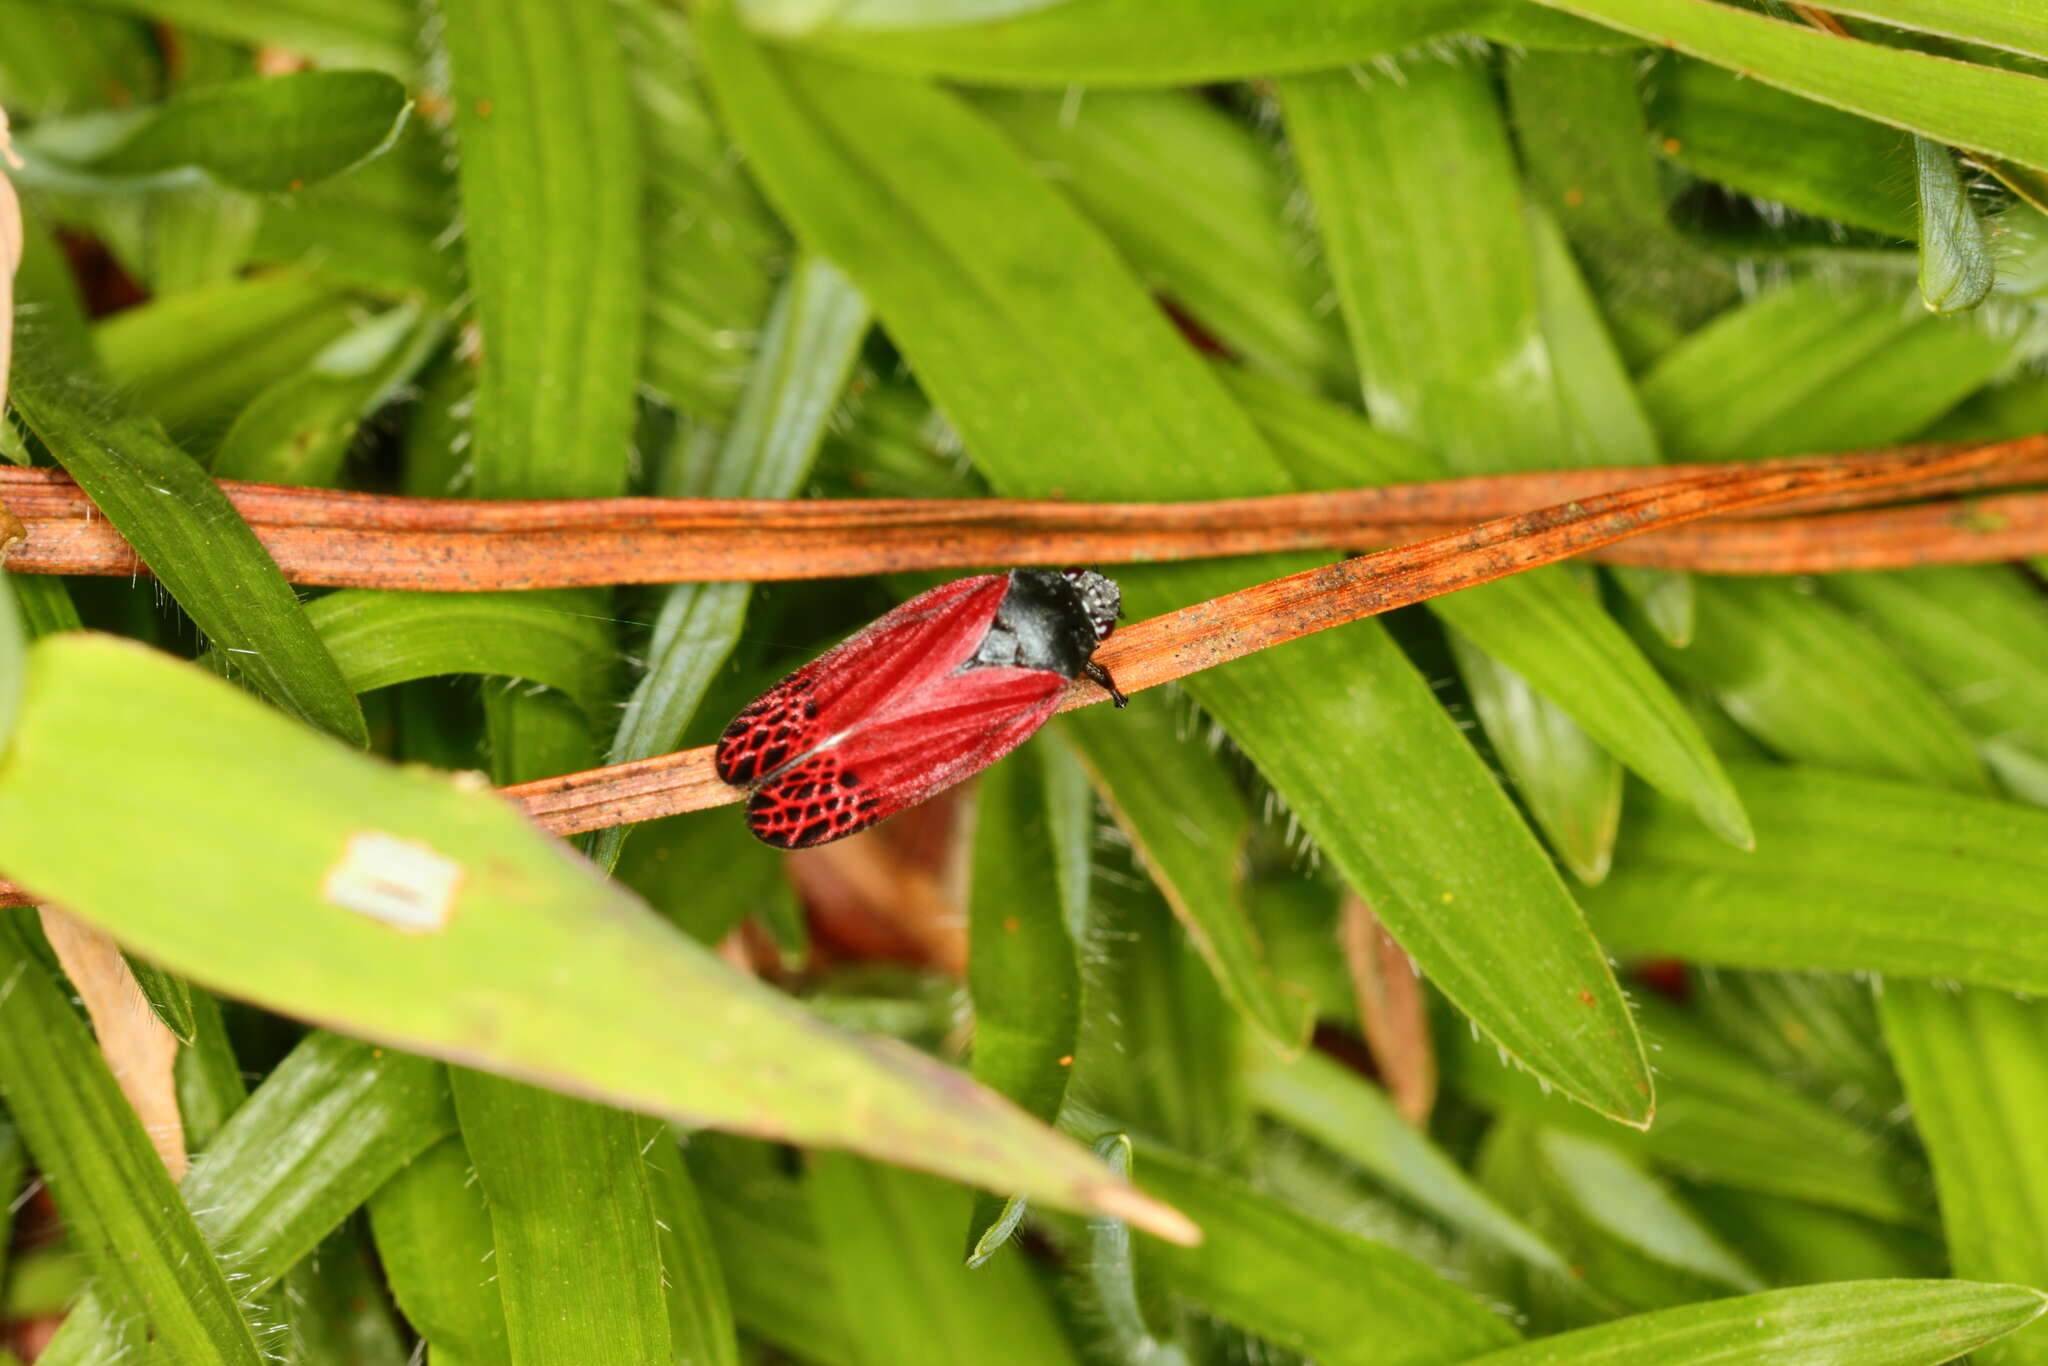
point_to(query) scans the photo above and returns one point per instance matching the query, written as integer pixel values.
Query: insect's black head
(1100, 598)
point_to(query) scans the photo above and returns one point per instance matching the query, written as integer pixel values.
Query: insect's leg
(1097, 674)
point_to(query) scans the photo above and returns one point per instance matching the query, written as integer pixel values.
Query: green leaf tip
(392, 903)
(1956, 265)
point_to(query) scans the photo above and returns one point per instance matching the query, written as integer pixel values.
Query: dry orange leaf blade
(139, 1050)
(1211, 633)
(339, 539)
(1206, 634)
(1393, 1011)
(637, 791)
(1162, 649)
(1970, 530)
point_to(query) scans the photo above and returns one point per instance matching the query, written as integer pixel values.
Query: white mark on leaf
(402, 883)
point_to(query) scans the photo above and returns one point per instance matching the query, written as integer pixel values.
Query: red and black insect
(936, 690)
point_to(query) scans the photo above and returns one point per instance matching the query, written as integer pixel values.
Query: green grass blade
(1570, 785)
(1580, 123)
(209, 1077)
(1826, 691)
(274, 134)
(194, 541)
(298, 430)
(376, 33)
(1970, 1060)
(760, 1217)
(1979, 635)
(1956, 266)
(336, 1119)
(901, 230)
(1993, 23)
(1324, 444)
(328, 1126)
(1855, 875)
(1199, 205)
(182, 237)
(1605, 415)
(1188, 824)
(1070, 814)
(700, 1325)
(148, 1258)
(1533, 622)
(551, 197)
(1445, 350)
(807, 352)
(13, 1168)
(57, 322)
(1304, 1284)
(531, 734)
(1855, 1323)
(433, 1236)
(593, 1286)
(1022, 974)
(1119, 42)
(1817, 686)
(806, 356)
(1763, 141)
(565, 978)
(1155, 1026)
(546, 636)
(1815, 365)
(1340, 1109)
(59, 61)
(1725, 1118)
(713, 249)
(1627, 1235)
(1806, 680)
(1609, 1276)
(1549, 627)
(1983, 108)
(14, 638)
(380, 227)
(1113, 1277)
(193, 237)
(552, 193)
(169, 997)
(1795, 1243)
(967, 258)
(1818, 1030)
(326, 1129)
(44, 1282)
(1445, 360)
(341, 1309)
(1332, 447)
(889, 1237)
(44, 604)
(195, 358)
(706, 873)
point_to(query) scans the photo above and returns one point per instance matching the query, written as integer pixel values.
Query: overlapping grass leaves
(952, 298)
(515, 912)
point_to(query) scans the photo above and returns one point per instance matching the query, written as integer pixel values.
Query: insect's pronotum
(923, 697)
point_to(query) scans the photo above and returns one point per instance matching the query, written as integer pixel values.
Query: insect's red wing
(894, 657)
(922, 742)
